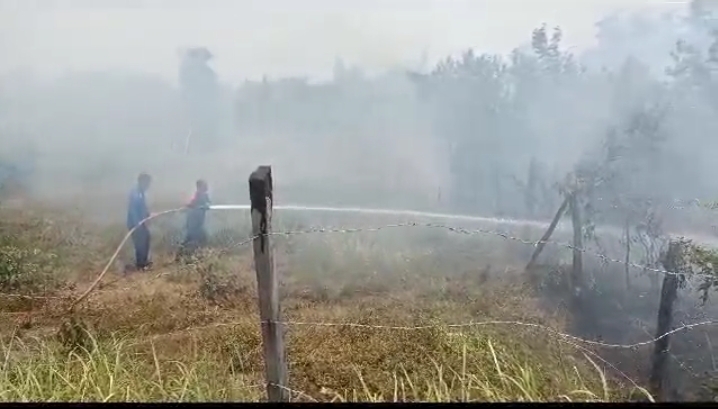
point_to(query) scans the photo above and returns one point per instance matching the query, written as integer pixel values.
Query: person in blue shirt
(137, 212)
(195, 235)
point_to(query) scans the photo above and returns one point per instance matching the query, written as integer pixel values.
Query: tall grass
(115, 370)
(148, 337)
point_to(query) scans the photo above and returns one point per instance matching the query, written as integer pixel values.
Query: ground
(399, 314)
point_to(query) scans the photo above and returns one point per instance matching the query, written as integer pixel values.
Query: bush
(217, 282)
(24, 270)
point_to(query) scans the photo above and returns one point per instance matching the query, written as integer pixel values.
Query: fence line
(459, 230)
(541, 327)
(464, 231)
(685, 327)
(33, 297)
(562, 337)
(294, 391)
(686, 368)
(277, 383)
(348, 230)
(261, 197)
(675, 204)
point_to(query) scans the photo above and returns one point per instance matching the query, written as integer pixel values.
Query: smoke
(470, 107)
(351, 129)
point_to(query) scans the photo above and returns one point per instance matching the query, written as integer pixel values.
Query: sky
(279, 37)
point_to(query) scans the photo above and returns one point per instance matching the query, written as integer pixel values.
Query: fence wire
(571, 339)
(452, 229)
(469, 232)
(459, 326)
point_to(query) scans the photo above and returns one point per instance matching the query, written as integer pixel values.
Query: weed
(217, 284)
(25, 270)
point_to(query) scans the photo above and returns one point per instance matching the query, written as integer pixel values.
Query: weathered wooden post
(547, 235)
(260, 195)
(669, 292)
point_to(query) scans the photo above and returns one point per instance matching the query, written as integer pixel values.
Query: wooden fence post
(547, 235)
(669, 292)
(260, 195)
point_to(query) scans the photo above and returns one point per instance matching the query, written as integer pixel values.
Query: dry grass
(191, 332)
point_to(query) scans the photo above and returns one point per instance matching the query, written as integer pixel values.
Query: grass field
(190, 332)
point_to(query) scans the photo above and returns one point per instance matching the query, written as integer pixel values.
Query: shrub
(25, 270)
(217, 283)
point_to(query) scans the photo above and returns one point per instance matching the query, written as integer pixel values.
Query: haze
(465, 107)
(279, 37)
(346, 100)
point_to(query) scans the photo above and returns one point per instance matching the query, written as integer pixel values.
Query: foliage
(703, 262)
(217, 283)
(23, 269)
(693, 72)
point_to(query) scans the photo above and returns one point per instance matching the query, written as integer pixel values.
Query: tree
(200, 93)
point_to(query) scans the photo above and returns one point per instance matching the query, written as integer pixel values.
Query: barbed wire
(293, 391)
(345, 230)
(541, 327)
(459, 230)
(684, 327)
(563, 337)
(683, 365)
(33, 297)
(672, 204)
(572, 340)
(464, 231)
(296, 392)
(687, 368)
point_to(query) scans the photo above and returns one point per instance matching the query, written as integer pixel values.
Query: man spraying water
(195, 235)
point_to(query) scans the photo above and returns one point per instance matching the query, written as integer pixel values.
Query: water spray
(387, 212)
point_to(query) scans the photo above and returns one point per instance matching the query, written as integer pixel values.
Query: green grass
(482, 368)
(191, 332)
